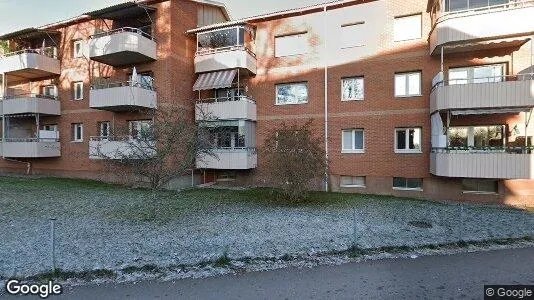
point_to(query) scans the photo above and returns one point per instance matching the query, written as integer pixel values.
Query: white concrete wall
(122, 96)
(33, 61)
(483, 165)
(31, 105)
(482, 25)
(30, 149)
(229, 110)
(229, 160)
(483, 95)
(122, 42)
(229, 59)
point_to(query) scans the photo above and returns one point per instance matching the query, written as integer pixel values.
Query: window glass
(408, 139)
(458, 137)
(347, 140)
(352, 181)
(294, 93)
(353, 140)
(401, 139)
(358, 139)
(78, 90)
(407, 28)
(291, 45)
(353, 35)
(222, 38)
(407, 183)
(353, 88)
(480, 185)
(408, 84)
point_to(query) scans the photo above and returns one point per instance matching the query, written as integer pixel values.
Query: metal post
(325, 58)
(192, 177)
(442, 56)
(447, 128)
(53, 243)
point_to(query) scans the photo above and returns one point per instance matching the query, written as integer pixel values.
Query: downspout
(325, 59)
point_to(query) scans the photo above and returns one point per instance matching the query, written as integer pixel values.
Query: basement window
(482, 186)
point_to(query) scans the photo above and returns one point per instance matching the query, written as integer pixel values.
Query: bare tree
(294, 160)
(155, 154)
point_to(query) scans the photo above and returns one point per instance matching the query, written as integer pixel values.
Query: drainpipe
(325, 59)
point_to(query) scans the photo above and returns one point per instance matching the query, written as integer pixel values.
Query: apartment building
(429, 99)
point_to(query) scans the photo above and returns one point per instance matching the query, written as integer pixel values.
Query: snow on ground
(245, 231)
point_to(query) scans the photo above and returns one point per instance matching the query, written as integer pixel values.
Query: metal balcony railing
(226, 99)
(31, 140)
(225, 49)
(483, 9)
(478, 80)
(46, 51)
(30, 95)
(121, 30)
(101, 86)
(489, 150)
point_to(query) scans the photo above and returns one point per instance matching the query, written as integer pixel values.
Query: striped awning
(214, 80)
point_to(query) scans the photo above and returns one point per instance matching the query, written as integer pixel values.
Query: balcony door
(477, 74)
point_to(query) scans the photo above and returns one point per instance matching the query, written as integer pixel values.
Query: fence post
(53, 243)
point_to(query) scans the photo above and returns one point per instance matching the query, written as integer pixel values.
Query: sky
(19, 14)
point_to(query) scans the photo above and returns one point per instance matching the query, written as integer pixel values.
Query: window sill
(408, 151)
(352, 100)
(408, 96)
(352, 151)
(408, 189)
(76, 142)
(352, 47)
(353, 186)
(283, 104)
(479, 193)
(408, 40)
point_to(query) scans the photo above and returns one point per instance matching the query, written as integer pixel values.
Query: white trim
(353, 186)
(75, 132)
(480, 193)
(79, 53)
(354, 150)
(408, 189)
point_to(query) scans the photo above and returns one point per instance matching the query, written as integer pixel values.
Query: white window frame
(75, 127)
(406, 76)
(50, 86)
(403, 36)
(300, 47)
(288, 84)
(75, 86)
(352, 185)
(345, 31)
(407, 188)
(343, 88)
(77, 53)
(407, 141)
(101, 127)
(353, 132)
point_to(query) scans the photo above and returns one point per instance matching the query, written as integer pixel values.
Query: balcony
(123, 96)
(476, 26)
(504, 164)
(31, 148)
(225, 48)
(123, 46)
(31, 104)
(120, 148)
(229, 159)
(235, 108)
(483, 93)
(225, 58)
(30, 64)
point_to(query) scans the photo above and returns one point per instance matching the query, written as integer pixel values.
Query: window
(52, 127)
(408, 140)
(407, 28)
(352, 181)
(77, 48)
(77, 132)
(352, 88)
(50, 91)
(289, 45)
(477, 137)
(456, 5)
(401, 183)
(353, 141)
(352, 35)
(104, 129)
(408, 84)
(480, 186)
(478, 74)
(140, 129)
(78, 90)
(292, 93)
(144, 80)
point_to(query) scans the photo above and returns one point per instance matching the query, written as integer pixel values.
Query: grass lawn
(73, 198)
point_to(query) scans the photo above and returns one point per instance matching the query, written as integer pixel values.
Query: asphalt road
(460, 276)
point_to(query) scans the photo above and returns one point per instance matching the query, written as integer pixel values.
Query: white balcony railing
(229, 159)
(508, 91)
(30, 104)
(226, 108)
(121, 96)
(30, 147)
(479, 23)
(491, 162)
(31, 63)
(123, 147)
(123, 46)
(224, 58)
